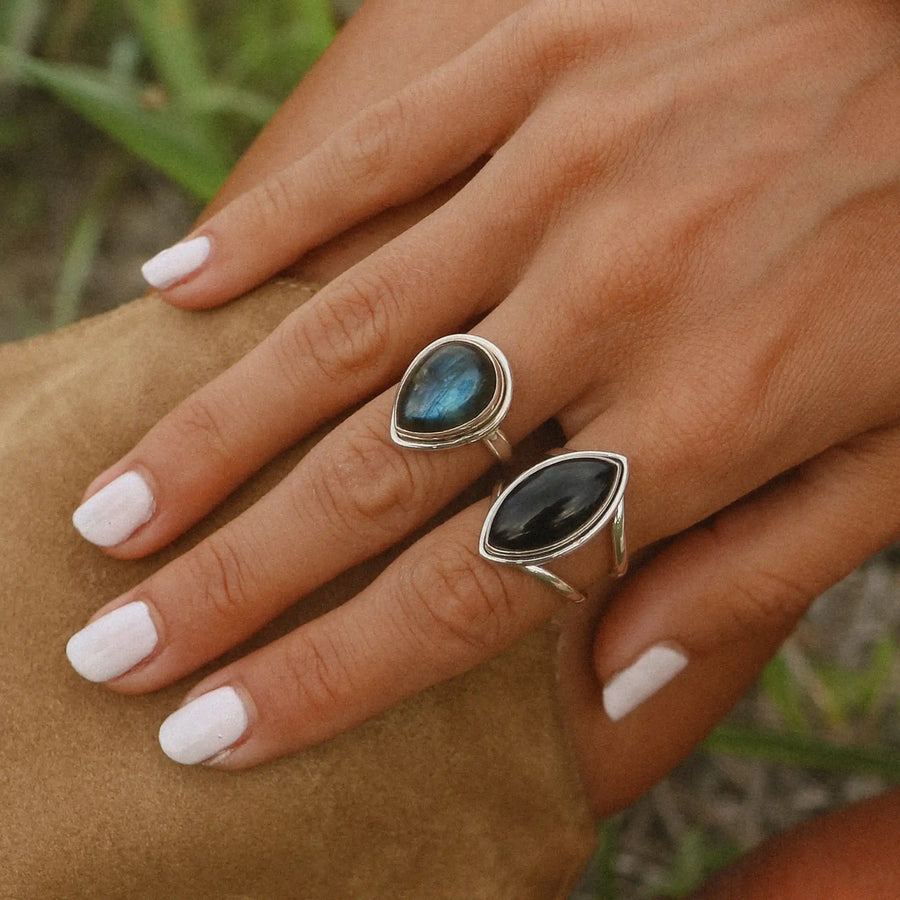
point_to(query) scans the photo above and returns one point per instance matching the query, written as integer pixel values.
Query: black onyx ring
(554, 508)
(455, 392)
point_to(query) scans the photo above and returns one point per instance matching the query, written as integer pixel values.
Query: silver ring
(456, 391)
(553, 509)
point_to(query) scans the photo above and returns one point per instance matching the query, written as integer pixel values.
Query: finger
(686, 635)
(438, 611)
(844, 854)
(390, 153)
(355, 494)
(350, 341)
(346, 344)
(753, 567)
(361, 66)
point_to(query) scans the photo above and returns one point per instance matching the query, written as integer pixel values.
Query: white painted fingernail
(116, 511)
(113, 644)
(204, 727)
(652, 670)
(176, 262)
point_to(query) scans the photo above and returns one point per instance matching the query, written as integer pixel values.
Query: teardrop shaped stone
(551, 505)
(450, 387)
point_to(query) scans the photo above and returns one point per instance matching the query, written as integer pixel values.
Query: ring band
(456, 391)
(553, 509)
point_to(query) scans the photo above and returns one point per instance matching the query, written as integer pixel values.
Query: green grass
(151, 74)
(697, 857)
(180, 85)
(881, 760)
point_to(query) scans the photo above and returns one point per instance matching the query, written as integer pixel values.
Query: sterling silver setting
(484, 426)
(609, 511)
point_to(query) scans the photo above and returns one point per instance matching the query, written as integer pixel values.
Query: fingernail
(652, 670)
(203, 727)
(176, 262)
(113, 644)
(116, 511)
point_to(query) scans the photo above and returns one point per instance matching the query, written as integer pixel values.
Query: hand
(685, 242)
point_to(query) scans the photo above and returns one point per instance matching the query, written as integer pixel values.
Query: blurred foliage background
(119, 118)
(105, 103)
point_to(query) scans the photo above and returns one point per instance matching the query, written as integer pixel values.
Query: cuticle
(220, 757)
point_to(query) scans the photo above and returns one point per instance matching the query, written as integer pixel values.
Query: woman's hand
(685, 239)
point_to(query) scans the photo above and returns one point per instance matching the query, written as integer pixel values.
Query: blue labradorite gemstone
(450, 387)
(552, 505)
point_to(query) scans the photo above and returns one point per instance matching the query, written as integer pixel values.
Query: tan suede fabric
(466, 791)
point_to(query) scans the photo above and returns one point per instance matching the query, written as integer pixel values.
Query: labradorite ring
(456, 391)
(554, 508)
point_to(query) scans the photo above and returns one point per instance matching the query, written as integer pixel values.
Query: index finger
(392, 152)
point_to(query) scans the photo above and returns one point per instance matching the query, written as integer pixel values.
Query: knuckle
(292, 349)
(348, 332)
(316, 674)
(199, 424)
(764, 598)
(464, 600)
(754, 598)
(736, 421)
(223, 577)
(565, 33)
(721, 413)
(369, 488)
(588, 148)
(368, 149)
(274, 199)
(568, 31)
(636, 279)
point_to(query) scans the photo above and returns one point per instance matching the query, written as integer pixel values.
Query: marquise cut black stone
(552, 505)
(451, 386)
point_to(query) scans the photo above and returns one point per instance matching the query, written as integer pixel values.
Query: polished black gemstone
(552, 505)
(451, 386)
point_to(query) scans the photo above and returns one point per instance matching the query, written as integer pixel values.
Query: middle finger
(354, 495)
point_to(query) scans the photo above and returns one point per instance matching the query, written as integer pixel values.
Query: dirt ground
(729, 801)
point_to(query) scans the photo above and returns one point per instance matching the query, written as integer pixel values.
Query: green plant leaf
(19, 21)
(855, 693)
(272, 44)
(696, 859)
(803, 750)
(160, 137)
(81, 250)
(318, 19)
(781, 688)
(224, 98)
(172, 43)
(606, 886)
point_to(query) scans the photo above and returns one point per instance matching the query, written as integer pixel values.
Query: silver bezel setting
(482, 426)
(612, 511)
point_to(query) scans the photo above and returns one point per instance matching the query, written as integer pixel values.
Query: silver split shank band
(553, 509)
